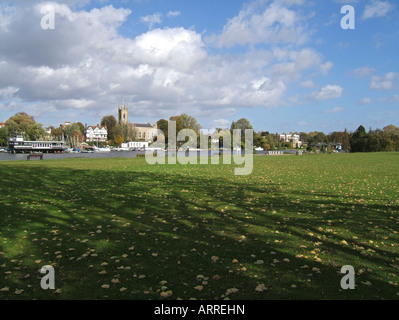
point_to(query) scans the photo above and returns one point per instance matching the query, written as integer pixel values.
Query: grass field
(122, 229)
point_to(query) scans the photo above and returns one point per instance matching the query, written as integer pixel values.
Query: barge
(19, 145)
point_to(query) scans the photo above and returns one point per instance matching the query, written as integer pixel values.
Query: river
(97, 155)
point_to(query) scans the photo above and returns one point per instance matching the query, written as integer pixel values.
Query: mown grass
(198, 231)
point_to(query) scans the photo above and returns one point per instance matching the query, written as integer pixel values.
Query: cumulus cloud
(86, 66)
(327, 92)
(272, 23)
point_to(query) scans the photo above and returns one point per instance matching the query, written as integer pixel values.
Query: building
(123, 115)
(135, 145)
(2, 124)
(96, 133)
(293, 139)
(66, 124)
(146, 132)
(143, 131)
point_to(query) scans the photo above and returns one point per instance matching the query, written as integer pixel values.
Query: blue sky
(285, 65)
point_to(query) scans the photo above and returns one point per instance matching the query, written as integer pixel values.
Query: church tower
(123, 115)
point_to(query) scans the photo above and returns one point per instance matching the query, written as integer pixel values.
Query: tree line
(386, 139)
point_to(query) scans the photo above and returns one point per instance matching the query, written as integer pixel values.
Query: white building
(2, 124)
(96, 134)
(135, 145)
(294, 139)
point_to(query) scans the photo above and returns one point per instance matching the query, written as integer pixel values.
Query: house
(2, 124)
(96, 133)
(293, 139)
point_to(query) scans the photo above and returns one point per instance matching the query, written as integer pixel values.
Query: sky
(285, 65)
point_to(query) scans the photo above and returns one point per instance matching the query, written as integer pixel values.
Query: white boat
(105, 149)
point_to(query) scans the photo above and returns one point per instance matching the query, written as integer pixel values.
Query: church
(142, 131)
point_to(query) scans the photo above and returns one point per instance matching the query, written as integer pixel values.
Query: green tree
(242, 124)
(185, 121)
(111, 124)
(12, 127)
(57, 133)
(392, 133)
(35, 132)
(358, 140)
(23, 121)
(4, 134)
(163, 126)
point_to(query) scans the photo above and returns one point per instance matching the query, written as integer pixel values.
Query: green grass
(198, 231)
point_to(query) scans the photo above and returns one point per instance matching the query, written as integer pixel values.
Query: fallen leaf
(260, 288)
(231, 291)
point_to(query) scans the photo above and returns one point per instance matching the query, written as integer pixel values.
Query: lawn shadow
(151, 234)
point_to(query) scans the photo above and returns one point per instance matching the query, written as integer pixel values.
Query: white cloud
(307, 84)
(363, 72)
(334, 110)
(327, 92)
(8, 92)
(377, 9)
(390, 81)
(86, 67)
(325, 68)
(365, 100)
(302, 124)
(264, 22)
(220, 123)
(173, 14)
(152, 19)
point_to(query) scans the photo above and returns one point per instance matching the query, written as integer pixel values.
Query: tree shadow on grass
(151, 234)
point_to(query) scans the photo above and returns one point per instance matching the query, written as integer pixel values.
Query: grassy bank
(122, 229)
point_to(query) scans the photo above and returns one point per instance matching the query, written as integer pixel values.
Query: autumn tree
(119, 140)
(342, 138)
(22, 123)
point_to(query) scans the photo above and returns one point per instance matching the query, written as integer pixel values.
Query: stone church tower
(123, 115)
